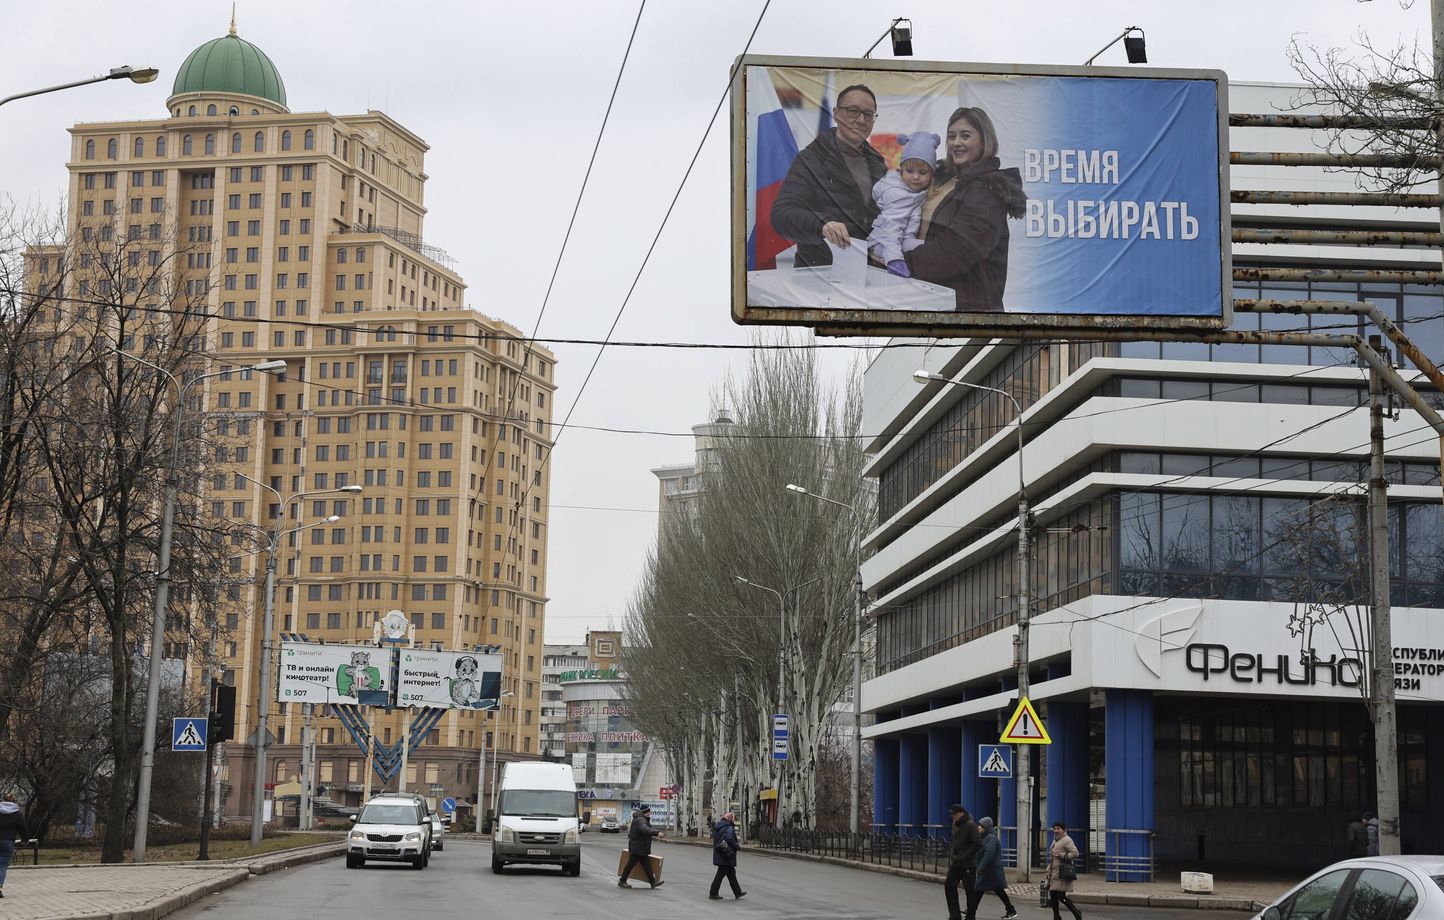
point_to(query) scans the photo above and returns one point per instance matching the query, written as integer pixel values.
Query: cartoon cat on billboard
(472, 688)
(360, 680)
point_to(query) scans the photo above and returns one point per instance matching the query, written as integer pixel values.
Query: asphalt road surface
(459, 883)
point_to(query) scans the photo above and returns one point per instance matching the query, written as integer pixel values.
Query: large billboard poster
(311, 673)
(448, 680)
(895, 194)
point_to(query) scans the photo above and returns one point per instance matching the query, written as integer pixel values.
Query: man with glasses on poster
(827, 194)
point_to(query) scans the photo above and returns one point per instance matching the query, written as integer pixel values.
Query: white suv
(393, 827)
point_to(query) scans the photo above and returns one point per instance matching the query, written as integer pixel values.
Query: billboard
(448, 680)
(893, 195)
(312, 673)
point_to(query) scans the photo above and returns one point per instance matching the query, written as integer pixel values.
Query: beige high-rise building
(304, 230)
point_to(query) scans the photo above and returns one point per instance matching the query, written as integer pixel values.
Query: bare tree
(703, 641)
(100, 425)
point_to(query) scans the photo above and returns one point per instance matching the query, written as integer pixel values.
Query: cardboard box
(637, 873)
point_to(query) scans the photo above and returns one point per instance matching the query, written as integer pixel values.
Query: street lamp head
(267, 367)
(924, 376)
(332, 519)
(742, 580)
(352, 489)
(792, 487)
(135, 75)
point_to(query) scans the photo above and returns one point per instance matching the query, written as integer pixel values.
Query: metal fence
(924, 848)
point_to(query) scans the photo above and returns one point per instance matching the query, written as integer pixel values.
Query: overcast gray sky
(510, 98)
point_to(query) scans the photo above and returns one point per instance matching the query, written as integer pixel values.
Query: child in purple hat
(899, 196)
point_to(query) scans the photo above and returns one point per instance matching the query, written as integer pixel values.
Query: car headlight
(570, 837)
(413, 837)
(505, 834)
(358, 835)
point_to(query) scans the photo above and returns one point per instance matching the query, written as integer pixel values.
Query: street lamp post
(135, 75)
(859, 600)
(258, 797)
(781, 667)
(162, 595)
(481, 762)
(1025, 603)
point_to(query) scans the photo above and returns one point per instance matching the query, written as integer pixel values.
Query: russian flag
(772, 148)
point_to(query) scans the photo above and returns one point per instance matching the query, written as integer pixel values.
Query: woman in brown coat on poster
(965, 216)
(1063, 850)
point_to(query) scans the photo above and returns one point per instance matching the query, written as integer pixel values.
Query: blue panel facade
(884, 784)
(944, 767)
(977, 795)
(1128, 765)
(912, 813)
(1068, 769)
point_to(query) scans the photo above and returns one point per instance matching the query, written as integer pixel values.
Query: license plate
(385, 850)
(538, 852)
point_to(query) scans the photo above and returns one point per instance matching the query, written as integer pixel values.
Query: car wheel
(574, 869)
(495, 866)
(353, 862)
(418, 861)
(440, 845)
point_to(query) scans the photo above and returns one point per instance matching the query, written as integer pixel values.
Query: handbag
(1043, 899)
(1066, 872)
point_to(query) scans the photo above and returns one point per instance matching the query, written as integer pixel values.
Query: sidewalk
(124, 891)
(1252, 894)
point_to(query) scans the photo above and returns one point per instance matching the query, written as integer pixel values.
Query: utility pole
(1381, 656)
(854, 809)
(1025, 606)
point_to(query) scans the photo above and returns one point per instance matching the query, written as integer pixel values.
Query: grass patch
(183, 851)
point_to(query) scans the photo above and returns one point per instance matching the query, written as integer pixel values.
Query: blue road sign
(781, 728)
(188, 733)
(995, 761)
(448, 804)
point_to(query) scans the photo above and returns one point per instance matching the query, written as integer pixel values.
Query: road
(459, 882)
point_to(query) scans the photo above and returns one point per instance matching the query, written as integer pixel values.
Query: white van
(536, 817)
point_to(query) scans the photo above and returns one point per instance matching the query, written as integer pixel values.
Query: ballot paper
(849, 266)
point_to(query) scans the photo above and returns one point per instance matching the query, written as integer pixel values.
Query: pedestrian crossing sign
(1025, 727)
(995, 761)
(188, 733)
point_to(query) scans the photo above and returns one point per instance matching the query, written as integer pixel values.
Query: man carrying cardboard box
(639, 847)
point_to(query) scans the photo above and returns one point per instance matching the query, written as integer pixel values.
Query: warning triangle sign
(1025, 727)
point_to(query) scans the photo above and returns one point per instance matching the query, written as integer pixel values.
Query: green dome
(230, 65)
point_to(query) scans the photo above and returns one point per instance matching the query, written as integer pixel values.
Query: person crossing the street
(639, 846)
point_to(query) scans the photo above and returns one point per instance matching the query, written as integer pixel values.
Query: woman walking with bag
(724, 857)
(990, 871)
(1061, 872)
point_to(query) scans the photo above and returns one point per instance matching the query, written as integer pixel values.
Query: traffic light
(223, 712)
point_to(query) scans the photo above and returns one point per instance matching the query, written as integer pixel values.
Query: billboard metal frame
(837, 322)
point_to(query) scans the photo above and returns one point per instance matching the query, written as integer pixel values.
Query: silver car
(438, 829)
(1377, 887)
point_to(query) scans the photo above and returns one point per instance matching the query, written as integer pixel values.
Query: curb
(1196, 902)
(239, 871)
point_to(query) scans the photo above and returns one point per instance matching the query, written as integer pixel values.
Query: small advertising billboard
(311, 673)
(447, 679)
(900, 195)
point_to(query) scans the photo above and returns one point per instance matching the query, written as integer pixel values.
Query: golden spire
(233, 20)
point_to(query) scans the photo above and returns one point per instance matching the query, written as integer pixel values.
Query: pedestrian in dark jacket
(962, 862)
(639, 845)
(724, 857)
(965, 217)
(1356, 838)
(826, 195)
(990, 870)
(12, 828)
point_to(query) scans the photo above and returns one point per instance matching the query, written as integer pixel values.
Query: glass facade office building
(1199, 573)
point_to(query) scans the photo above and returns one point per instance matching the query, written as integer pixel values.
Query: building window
(236, 142)
(285, 140)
